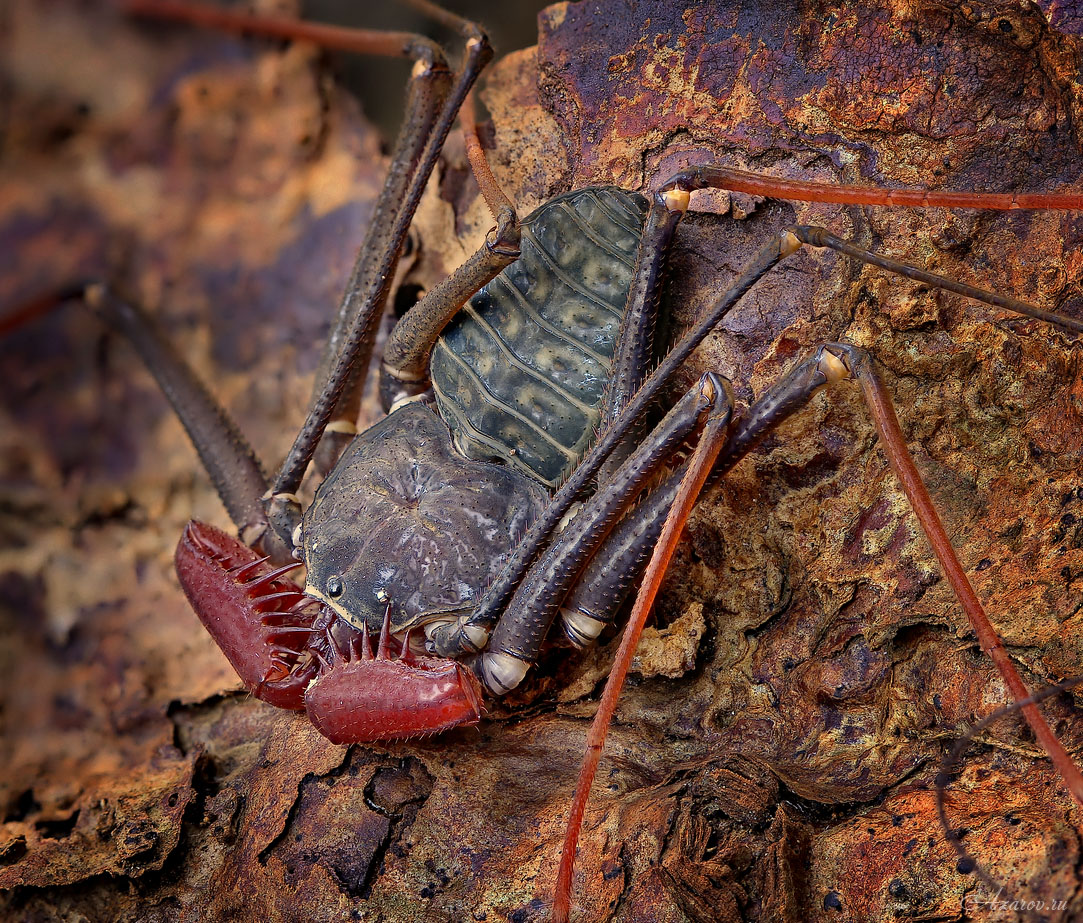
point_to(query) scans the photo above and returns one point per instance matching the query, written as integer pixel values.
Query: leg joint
(841, 361)
(503, 240)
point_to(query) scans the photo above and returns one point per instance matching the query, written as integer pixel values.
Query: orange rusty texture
(775, 756)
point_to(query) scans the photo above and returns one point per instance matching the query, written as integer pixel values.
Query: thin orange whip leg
(717, 177)
(715, 433)
(335, 38)
(28, 311)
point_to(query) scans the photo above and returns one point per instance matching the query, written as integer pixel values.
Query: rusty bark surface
(774, 758)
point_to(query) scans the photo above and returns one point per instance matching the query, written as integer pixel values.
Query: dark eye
(335, 587)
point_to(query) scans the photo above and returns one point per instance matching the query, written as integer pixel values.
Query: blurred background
(379, 82)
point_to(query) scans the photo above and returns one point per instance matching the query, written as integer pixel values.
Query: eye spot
(335, 587)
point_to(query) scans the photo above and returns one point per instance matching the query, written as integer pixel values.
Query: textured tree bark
(774, 759)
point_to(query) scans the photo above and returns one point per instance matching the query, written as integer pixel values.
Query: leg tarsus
(949, 769)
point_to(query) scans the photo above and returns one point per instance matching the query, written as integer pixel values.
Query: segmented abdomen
(519, 374)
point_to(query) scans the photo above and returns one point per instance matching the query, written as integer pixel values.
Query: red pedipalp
(376, 697)
(228, 586)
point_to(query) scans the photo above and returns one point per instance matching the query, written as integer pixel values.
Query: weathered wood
(775, 761)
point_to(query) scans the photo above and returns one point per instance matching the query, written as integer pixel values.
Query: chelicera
(413, 533)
